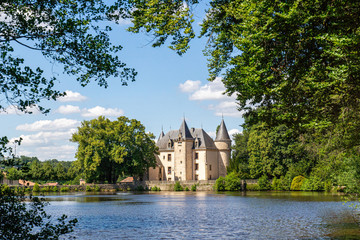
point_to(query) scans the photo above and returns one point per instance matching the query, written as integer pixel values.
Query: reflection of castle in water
(191, 154)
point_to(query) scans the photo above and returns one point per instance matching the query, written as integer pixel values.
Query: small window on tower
(196, 166)
(210, 167)
(169, 157)
(169, 170)
(196, 155)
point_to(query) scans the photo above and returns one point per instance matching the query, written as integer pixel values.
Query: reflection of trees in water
(342, 224)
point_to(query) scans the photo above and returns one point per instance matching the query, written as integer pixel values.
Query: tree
(65, 32)
(48, 171)
(19, 220)
(108, 149)
(36, 170)
(14, 174)
(239, 161)
(59, 172)
(276, 152)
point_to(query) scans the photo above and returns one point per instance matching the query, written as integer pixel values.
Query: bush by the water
(178, 187)
(252, 187)
(155, 188)
(220, 184)
(36, 188)
(264, 183)
(232, 182)
(297, 183)
(193, 187)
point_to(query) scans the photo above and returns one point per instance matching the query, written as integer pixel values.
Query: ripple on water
(206, 216)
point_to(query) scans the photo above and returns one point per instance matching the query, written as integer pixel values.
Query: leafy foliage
(178, 187)
(264, 183)
(21, 221)
(65, 32)
(108, 149)
(232, 182)
(297, 183)
(220, 184)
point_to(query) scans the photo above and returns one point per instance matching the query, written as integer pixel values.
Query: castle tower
(223, 144)
(183, 161)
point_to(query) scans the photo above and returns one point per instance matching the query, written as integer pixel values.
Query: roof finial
(222, 116)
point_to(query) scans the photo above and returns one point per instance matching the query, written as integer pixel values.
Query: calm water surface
(201, 215)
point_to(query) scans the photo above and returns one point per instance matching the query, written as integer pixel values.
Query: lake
(207, 215)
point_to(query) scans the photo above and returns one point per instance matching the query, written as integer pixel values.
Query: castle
(191, 154)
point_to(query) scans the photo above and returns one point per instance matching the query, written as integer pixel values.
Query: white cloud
(211, 91)
(49, 125)
(64, 152)
(226, 108)
(72, 97)
(189, 86)
(68, 109)
(100, 111)
(14, 110)
(45, 137)
(233, 131)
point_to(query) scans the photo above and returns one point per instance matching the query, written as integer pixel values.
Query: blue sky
(167, 87)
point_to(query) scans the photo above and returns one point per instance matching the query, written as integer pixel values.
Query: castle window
(196, 177)
(210, 167)
(164, 157)
(160, 170)
(179, 143)
(196, 166)
(180, 162)
(169, 170)
(210, 177)
(196, 155)
(169, 179)
(169, 157)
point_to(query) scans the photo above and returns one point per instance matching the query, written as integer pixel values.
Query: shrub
(64, 189)
(285, 182)
(55, 189)
(276, 184)
(36, 188)
(155, 188)
(252, 187)
(88, 188)
(45, 189)
(140, 188)
(232, 182)
(220, 184)
(178, 187)
(328, 186)
(187, 189)
(97, 188)
(296, 183)
(264, 183)
(193, 187)
(25, 218)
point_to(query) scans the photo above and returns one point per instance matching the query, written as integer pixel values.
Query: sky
(168, 88)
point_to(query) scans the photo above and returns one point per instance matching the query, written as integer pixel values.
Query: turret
(223, 144)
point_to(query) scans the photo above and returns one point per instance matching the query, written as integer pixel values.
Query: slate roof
(184, 131)
(198, 134)
(222, 133)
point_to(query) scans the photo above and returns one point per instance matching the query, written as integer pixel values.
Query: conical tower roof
(161, 135)
(222, 133)
(184, 131)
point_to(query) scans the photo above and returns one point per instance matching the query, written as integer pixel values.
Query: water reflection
(207, 215)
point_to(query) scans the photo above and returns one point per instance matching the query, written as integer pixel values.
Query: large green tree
(108, 149)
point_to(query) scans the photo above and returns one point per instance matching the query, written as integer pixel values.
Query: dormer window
(170, 144)
(197, 142)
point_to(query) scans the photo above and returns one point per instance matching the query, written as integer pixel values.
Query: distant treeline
(30, 168)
